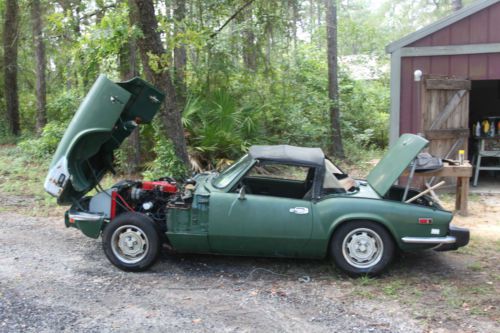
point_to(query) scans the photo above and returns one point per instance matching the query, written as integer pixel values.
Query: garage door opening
(484, 143)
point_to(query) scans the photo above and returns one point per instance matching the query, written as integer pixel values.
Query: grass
(21, 183)
(359, 161)
(470, 289)
(476, 266)
(466, 286)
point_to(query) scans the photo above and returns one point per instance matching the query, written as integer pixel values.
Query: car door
(261, 224)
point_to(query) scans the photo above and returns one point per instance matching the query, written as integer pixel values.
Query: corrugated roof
(440, 24)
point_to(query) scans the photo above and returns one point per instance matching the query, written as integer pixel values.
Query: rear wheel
(131, 242)
(362, 247)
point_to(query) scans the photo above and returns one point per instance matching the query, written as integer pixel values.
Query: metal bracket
(410, 179)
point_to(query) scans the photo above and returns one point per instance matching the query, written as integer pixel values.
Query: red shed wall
(480, 28)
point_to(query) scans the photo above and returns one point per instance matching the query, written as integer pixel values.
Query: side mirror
(242, 193)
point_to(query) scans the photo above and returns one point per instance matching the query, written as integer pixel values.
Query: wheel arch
(374, 219)
(146, 226)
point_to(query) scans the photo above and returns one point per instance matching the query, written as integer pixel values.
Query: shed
(459, 57)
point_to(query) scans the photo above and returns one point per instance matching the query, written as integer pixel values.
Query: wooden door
(445, 115)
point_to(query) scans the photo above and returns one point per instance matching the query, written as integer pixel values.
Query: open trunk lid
(108, 114)
(395, 161)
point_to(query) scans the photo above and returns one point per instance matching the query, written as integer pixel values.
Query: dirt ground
(56, 279)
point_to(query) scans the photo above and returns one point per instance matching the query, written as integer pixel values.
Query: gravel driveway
(56, 279)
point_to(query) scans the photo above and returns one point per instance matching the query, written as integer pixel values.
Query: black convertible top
(290, 154)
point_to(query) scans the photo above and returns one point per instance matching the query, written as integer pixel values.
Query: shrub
(46, 144)
(165, 162)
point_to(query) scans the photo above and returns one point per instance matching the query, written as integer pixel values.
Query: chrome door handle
(299, 210)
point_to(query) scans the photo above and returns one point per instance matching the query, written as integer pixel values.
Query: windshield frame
(228, 175)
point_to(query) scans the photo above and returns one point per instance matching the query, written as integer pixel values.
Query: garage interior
(485, 105)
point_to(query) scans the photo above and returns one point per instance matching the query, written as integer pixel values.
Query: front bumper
(90, 224)
(457, 237)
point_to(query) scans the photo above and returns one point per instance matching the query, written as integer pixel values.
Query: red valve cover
(160, 185)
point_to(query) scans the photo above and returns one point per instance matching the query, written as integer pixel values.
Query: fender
(365, 217)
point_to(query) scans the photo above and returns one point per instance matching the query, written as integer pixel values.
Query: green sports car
(275, 201)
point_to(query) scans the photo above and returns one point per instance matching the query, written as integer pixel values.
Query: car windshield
(228, 175)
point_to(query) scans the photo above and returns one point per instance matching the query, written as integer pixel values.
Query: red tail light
(425, 220)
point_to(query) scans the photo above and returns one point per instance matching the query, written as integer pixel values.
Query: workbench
(486, 147)
(462, 173)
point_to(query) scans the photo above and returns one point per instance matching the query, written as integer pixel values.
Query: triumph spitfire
(275, 201)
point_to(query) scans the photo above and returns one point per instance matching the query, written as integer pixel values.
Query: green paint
(220, 220)
(390, 168)
(99, 126)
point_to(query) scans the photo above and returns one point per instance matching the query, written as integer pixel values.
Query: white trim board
(440, 24)
(395, 97)
(449, 50)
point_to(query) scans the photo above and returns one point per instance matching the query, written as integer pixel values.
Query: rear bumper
(462, 236)
(457, 237)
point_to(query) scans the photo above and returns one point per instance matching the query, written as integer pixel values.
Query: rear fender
(363, 217)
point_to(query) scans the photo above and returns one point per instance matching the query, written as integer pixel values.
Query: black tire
(362, 248)
(131, 242)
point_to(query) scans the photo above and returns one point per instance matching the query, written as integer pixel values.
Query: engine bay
(151, 198)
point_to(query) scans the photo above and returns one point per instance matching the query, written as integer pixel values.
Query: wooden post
(461, 196)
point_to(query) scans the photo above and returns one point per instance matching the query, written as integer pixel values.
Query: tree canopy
(236, 72)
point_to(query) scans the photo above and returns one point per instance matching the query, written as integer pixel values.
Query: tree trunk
(150, 45)
(180, 57)
(41, 90)
(10, 40)
(456, 5)
(311, 19)
(318, 12)
(249, 47)
(333, 86)
(295, 22)
(129, 70)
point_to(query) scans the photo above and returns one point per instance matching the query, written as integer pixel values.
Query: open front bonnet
(395, 161)
(108, 114)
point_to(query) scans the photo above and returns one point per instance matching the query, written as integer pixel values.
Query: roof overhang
(440, 24)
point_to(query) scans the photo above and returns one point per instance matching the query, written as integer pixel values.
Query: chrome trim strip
(82, 216)
(429, 240)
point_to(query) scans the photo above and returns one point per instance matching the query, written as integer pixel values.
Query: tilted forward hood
(108, 114)
(395, 161)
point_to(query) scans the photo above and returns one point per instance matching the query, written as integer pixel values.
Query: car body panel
(261, 225)
(258, 225)
(108, 114)
(295, 218)
(400, 219)
(395, 161)
(89, 224)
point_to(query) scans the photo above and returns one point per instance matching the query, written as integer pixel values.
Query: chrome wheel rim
(129, 244)
(362, 248)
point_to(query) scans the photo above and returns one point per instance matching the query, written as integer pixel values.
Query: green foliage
(5, 136)
(44, 146)
(62, 106)
(219, 128)
(165, 162)
(365, 116)
(231, 104)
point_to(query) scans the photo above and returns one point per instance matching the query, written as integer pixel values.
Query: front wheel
(362, 247)
(131, 242)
